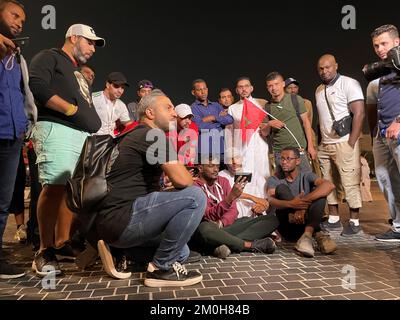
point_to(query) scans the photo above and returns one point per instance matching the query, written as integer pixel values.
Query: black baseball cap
(145, 84)
(117, 78)
(289, 81)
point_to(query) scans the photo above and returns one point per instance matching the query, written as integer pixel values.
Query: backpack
(88, 185)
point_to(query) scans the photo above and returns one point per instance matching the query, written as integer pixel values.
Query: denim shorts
(57, 148)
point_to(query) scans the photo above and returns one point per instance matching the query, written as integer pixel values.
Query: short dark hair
(295, 151)
(197, 81)
(223, 90)
(4, 2)
(241, 79)
(273, 75)
(391, 29)
(87, 66)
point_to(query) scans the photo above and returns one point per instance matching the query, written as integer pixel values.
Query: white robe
(255, 152)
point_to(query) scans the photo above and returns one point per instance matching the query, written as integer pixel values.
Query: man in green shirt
(289, 124)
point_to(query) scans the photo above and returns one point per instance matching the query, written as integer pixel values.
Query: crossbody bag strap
(329, 106)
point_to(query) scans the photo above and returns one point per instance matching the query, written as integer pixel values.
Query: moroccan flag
(252, 117)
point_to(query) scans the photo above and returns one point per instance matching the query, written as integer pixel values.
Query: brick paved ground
(283, 275)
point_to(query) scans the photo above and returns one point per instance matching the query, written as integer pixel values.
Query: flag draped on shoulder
(252, 117)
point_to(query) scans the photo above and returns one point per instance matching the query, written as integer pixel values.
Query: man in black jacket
(66, 117)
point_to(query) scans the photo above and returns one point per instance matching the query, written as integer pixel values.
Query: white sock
(333, 219)
(355, 221)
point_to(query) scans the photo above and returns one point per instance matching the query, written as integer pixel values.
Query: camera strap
(329, 106)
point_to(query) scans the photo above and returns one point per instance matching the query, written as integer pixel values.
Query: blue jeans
(10, 151)
(387, 170)
(175, 215)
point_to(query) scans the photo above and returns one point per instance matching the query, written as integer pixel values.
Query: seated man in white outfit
(109, 107)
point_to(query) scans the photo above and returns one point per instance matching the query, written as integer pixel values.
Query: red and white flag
(252, 117)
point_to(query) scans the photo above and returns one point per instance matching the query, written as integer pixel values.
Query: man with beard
(255, 152)
(135, 214)
(66, 117)
(14, 97)
(108, 105)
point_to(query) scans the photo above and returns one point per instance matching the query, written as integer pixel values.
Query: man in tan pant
(339, 97)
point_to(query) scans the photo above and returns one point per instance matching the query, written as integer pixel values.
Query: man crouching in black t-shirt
(134, 213)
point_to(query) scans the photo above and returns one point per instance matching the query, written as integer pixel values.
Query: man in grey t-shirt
(300, 200)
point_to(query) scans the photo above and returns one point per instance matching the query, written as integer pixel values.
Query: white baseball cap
(183, 110)
(86, 32)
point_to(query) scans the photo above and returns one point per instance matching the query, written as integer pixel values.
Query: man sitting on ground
(221, 231)
(300, 200)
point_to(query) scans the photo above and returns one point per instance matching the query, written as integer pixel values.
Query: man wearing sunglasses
(108, 105)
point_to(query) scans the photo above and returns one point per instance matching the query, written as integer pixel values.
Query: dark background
(174, 42)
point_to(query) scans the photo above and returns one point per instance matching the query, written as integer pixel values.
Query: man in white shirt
(336, 98)
(255, 152)
(108, 105)
(250, 204)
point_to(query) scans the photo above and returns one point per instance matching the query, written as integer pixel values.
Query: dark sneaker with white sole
(350, 229)
(45, 262)
(65, 252)
(176, 276)
(389, 236)
(326, 225)
(10, 271)
(266, 245)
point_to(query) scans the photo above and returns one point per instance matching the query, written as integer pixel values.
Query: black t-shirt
(51, 73)
(135, 173)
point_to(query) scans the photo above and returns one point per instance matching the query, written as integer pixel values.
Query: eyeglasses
(288, 159)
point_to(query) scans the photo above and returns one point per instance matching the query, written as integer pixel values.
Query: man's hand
(277, 124)
(223, 113)
(299, 202)
(300, 217)
(312, 152)
(6, 46)
(209, 119)
(259, 209)
(237, 189)
(393, 131)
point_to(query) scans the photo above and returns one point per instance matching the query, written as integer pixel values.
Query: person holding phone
(251, 203)
(221, 231)
(13, 117)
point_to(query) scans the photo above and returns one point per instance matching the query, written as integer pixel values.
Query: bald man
(339, 97)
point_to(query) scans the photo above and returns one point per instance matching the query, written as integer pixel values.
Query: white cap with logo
(183, 110)
(86, 32)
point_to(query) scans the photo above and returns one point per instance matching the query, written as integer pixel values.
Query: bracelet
(72, 109)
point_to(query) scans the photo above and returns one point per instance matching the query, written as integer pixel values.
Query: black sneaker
(266, 245)
(350, 229)
(326, 225)
(177, 276)
(9, 271)
(65, 252)
(45, 262)
(389, 236)
(87, 257)
(194, 256)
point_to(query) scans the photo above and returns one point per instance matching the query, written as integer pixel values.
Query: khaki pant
(348, 165)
